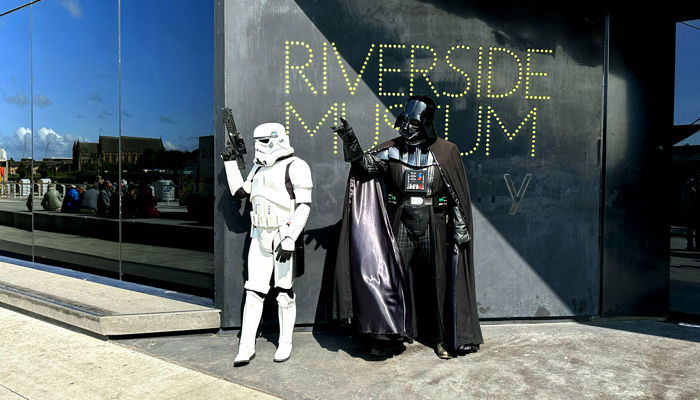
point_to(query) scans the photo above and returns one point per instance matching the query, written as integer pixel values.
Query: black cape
(373, 289)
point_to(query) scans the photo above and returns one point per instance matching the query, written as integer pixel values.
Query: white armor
(279, 186)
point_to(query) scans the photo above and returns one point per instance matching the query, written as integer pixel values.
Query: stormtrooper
(279, 186)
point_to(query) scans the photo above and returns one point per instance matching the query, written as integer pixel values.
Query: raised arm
(354, 154)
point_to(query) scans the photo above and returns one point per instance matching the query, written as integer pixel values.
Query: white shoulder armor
(300, 176)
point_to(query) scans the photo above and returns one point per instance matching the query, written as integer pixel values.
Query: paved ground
(42, 361)
(622, 360)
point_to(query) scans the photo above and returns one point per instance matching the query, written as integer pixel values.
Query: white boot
(252, 312)
(287, 313)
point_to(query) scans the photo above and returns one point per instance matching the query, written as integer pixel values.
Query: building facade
(556, 111)
(106, 150)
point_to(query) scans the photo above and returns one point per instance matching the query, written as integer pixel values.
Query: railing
(13, 190)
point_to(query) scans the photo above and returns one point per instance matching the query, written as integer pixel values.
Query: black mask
(415, 123)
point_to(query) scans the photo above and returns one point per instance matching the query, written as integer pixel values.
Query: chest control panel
(415, 182)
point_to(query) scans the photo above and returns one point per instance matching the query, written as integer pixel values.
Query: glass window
(167, 144)
(76, 103)
(15, 134)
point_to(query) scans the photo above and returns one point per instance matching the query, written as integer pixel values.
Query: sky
(167, 73)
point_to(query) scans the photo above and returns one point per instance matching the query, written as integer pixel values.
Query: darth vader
(405, 258)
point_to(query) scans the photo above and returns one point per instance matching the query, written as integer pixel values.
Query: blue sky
(167, 73)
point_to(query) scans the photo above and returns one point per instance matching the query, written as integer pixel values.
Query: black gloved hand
(351, 147)
(283, 255)
(227, 154)
(461, 231)
(345, 131)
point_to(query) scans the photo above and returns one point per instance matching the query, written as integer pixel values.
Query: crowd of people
(102, 198)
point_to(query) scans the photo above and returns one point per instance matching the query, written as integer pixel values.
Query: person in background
(104, 198)
(30, 199)
(88, 204)
(72, 200)
(52, 200)
(129, 202)
(691, 202)
(146, 203)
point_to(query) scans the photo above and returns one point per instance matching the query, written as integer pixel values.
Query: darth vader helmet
(271, 143)
(415, 123)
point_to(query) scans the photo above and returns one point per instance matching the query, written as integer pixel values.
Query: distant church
(106, 150)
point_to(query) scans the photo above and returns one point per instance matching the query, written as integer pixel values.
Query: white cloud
(169, 146)
(59, 145)
(14, 144)
(73, 7)
(23, 135)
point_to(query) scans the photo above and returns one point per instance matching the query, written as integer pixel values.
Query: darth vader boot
(287, 313)
(387, 348)
(442, 352)
(252, 312)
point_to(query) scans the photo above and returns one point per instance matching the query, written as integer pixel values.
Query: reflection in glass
(75, 70)
(684, 181)
(15, 135)
(167, 144)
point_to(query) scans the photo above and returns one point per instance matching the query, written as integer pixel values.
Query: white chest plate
(272, 205)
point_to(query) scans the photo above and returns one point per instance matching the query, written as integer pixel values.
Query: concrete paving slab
(44, 361)
(621, 360)
(100, 307)
(7, 394)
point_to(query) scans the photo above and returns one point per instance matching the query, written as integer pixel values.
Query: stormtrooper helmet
(415, 123)
(271, 143)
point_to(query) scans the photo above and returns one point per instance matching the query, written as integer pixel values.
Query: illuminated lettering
(486, 79)
(382, 70)
(290, 110)
(447, 121)
(352, 87)
(460, 71)
(529, 73)
(423, 72)
(386, 118)
(325, 68)
(489, 75)
(532, 115)
(299, 68)
(478, 73)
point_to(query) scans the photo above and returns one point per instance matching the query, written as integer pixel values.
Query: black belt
(416, 201)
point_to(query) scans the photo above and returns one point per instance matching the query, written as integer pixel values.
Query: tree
(43, 170)
(22, 171)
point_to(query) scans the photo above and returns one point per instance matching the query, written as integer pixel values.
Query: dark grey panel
(638, 160)
(536, 259)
